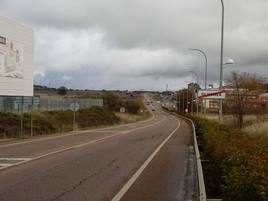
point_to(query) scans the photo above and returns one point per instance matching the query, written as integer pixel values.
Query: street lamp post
(197, 80)
(187, 97)
(206, 64)
(183, 107)
(179, 102)
(221, 61)
(206, 73)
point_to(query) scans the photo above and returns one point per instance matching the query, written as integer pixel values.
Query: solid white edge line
(130, 182)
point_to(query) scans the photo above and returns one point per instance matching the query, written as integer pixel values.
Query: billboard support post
(21, 117)
(32, 116)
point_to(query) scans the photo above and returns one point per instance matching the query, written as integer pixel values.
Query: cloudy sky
(140, 44)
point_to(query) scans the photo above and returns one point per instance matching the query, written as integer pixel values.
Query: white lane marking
(15, 159)
(5, 164)
(8, 162)
(78, 146)
(78, 132)
(130, 182)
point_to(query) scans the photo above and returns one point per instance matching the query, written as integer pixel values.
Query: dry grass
(258, 127)
(130, 118)
(255, 125)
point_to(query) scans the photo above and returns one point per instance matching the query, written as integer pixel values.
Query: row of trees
(242, 97)
(247, 89)
(186, 100)
(113, 102)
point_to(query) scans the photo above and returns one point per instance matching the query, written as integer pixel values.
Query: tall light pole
(221, 61)
(197, 79)
(206, 64)
(196, 75)
(206, 73)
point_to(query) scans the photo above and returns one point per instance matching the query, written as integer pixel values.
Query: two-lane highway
(151, 160)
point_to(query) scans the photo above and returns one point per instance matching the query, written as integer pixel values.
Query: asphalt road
(151, 160)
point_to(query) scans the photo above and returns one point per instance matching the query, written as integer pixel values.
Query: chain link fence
(44, 103)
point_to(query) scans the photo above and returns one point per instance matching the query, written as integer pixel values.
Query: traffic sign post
(74, 107)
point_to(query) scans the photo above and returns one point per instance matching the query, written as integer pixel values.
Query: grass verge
(236, 164)
(54, 122)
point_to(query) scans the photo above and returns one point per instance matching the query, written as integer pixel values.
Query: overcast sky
(140, 44)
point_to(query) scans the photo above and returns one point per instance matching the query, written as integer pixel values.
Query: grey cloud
(146, 39)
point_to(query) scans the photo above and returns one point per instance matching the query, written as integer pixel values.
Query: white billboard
(16, 59)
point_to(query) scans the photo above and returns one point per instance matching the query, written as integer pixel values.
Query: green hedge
(237, 164)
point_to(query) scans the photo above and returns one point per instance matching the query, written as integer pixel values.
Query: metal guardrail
(201, 183)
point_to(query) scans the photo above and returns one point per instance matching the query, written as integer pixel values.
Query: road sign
(75, 106)
(122, 110)
(211, 94)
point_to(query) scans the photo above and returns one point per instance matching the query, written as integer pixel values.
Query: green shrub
(134, 106)
(238, 164)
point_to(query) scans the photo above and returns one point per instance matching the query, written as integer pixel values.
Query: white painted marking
(5, 164)
(130, 182)
(8, 162)
(15, 159)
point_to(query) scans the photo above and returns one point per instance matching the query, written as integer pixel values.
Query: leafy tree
(62, 90)
(246, 88)
(111, 100)
(134, 105)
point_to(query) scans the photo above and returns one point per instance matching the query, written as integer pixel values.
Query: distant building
(254, 99)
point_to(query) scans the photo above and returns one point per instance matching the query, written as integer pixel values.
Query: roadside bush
(111, 100)
(9, 124)
(96, 116)
(237, 167)
(133, 106)
(54, 121)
